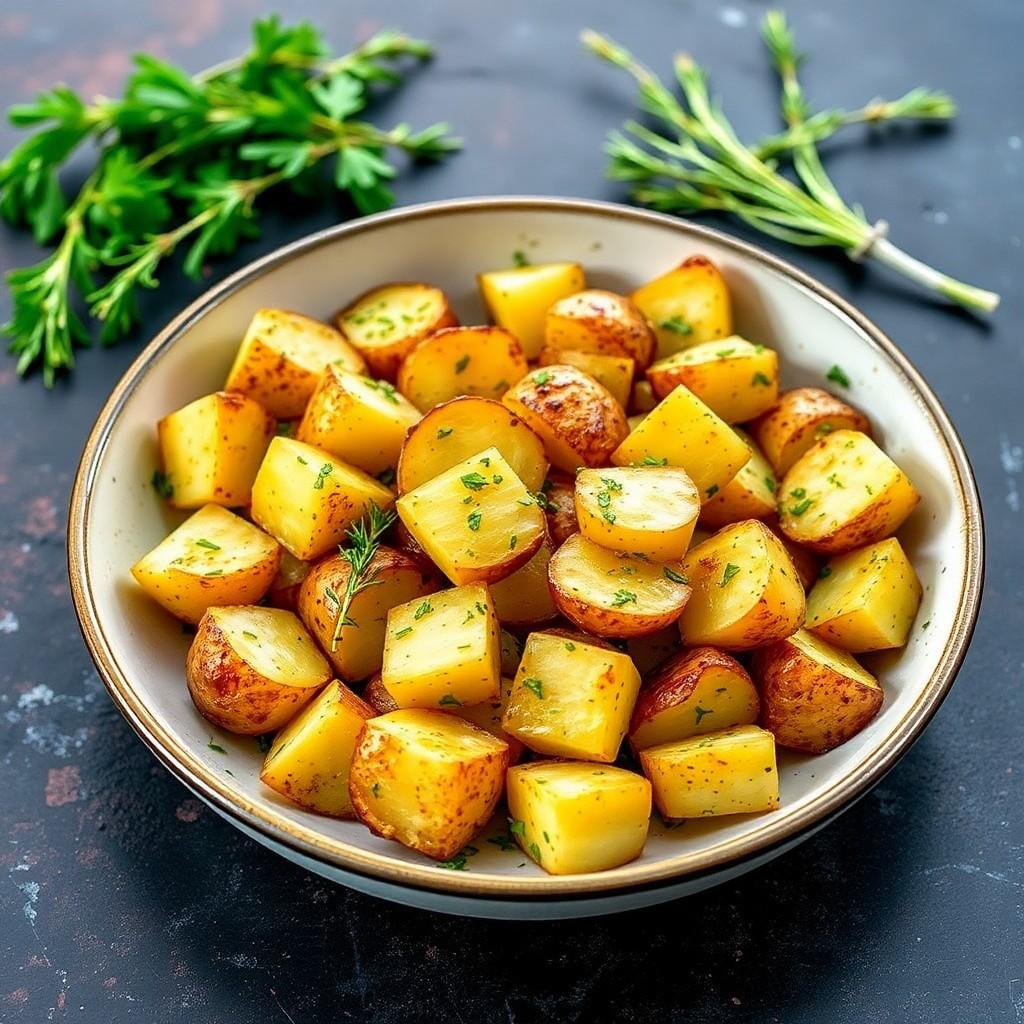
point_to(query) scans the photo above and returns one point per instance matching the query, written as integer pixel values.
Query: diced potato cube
(728, 772)
(524, 598)
(613, 372)
(750, 494)
(309, 500)
(572, 699)
(573, 818)
(444, 650)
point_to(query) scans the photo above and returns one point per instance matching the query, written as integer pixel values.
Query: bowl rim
(310, 843)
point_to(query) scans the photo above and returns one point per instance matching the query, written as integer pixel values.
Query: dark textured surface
(123, 899)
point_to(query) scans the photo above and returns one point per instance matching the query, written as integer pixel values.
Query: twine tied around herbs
(877, 232)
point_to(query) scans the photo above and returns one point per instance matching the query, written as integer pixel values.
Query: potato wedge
(843, 493)
(734, 378)
(728, 772)
(211, 449)
(386, 323)
(309, 500)
(459, 429)
(600, 321)
(682, 431)
(281, 358)
(573, 818)
(611, 594)
(799, 418)
(750, 494)
(483, 361)
(866, 600)
(524, 598)
(610, 371)
(559, 490)
(250, 670)
(571, 698)
(519, 299)
(357, 419)
(745, 590)
(284, 591)
(687, 305)
(429, 780)
(695, 692)
(579, 420)
(213, 558)
(649, 511)
(813, 695)
(359, 650)
(310, 758)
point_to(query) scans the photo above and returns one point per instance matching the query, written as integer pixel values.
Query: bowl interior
(141, 650)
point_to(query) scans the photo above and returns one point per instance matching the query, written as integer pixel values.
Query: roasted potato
(375, 694)
(648, 511)
(750, 494)
(559, 490)
(284, 591)
(572, 818)
(483, 361)
(571, 698)
(250, 670)
(385, 323)
(745, 590)
(806, 563)
(519, 299)
(610, 371)
(579, 420)
(488, 716)
(799, 418)
(599, 321)
(813, 695)
(310, 757)
(843, 493)
(281, 358)
(865, 600)
(695, 692)
(357, 654)
(524, 598)
(462, 428)
(476, 521)
(212, 448)
(213, 558)
(429, 780)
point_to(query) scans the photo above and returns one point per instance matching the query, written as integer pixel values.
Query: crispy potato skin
(560, 492)
(613, 372)
(376, 695)
(578, 420)
(600, 321)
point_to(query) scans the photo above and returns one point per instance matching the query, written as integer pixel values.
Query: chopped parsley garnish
(760, 378)
(535, 852)
(504, 842)
(162, 484)
(798, 492)
(535, 686)
(214, 572)
(301, 460)
(481, 608)
(730, 571)
(404, 631)
(725, 353)
(424, 609)
(801, 508)
(675, 577)
(461, 364)
(449, 700)
(569, 645)
(622, 597)
(833, 479)
(517, 828)
(650, 460)
(759, 349)
(837, 375)
(473, 520)
(204, 543)
(375, 789)
(474, 481)
(497, 478)
(701, 712)
(385, 388)
(542, 378)
(250, 636)
(712, 490)
(325, 471)
(444, 432)
(264, 742)
(677, 325)
(769, 482)
(216, 746)
(520, 259)
(825, 428)
(512, 542)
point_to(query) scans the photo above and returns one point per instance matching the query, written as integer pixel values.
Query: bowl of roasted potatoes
(525, 557)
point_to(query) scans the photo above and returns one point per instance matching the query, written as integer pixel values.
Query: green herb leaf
(675, 577)
(325, 471)
(216, 746)
(541, 378)
(837, 375)
(473, 520)
(474, 481)
(520, 259)
(800, 508)
(535, 686)
(760, 379)
(424, 609)
(677, 325)
(404, 631)
(449, 700)
(623, 597)
(443, 432)
(162, 484)
(204, 543)
(730, 572)
(461, 364)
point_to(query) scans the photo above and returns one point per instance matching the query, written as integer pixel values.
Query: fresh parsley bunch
(183, 161)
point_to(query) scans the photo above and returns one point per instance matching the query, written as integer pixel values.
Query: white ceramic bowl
(140, 651)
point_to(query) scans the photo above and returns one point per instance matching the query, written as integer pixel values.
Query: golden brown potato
(612, 372)
(385, 323)
(376, 695)
(284, 591)
(813, 695)
(483, 361)
(600, 321)
(250, 669)
(611, 594)
(524, 598)
(578, 420)
(559, 492)
(750, 494)
(799, 418)
(806, 563)
(488, 716)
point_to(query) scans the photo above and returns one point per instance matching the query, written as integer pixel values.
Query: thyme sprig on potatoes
(695, 162)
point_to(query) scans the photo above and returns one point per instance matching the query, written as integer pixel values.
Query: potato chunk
(649, 511)
(687, 305)
(457, 430)
(212, 448)
(746, 591)
(385, 323)
(476, 521)
(250, 670)
(600, 321)
(519, 299)
(737, 380)
(571, 698)
(429, 780)
(360, 647)
(309, 500)
(579, 420)
(524, 598)
(612, 372)
(750, 494)
(483, 361)
(865, 600)
(361, 421)
(613, 594)
(574, 818)
(682, 431)
(214, 557)
(281, 358)
(813, 695)
(443, 651)
(843, 493)
(728, 772)
(310, 758)
(695, 692)
(488, 716)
